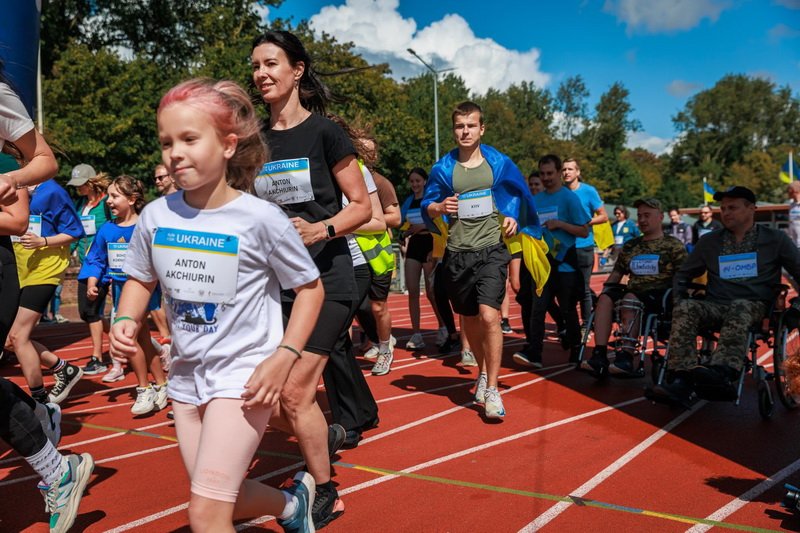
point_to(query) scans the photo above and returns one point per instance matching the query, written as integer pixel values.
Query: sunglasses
(161, 177)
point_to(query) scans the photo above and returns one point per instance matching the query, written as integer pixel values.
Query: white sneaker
(115, 374)
(145, 400)
(480, 388)
(494, 404)
(372, 353)
(415, 342)
(468, 358)
(383, 365)
(49, 416)
(161, 397)
(441, 336)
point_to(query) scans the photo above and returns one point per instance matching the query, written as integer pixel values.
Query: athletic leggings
(19, 426)
(443, 301)
(9, 290)
(217, 442)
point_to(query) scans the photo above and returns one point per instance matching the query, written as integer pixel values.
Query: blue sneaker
(303, 489)
(63, 499)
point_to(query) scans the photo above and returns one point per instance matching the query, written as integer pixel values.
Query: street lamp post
(435, 98)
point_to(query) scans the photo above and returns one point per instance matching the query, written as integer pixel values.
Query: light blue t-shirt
(562, 205)
(591, 201)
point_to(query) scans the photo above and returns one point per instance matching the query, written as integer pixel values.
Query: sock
(39, 394)
(383, 346)
(291, 506)
(326, 487)
(48, 463)
(60, 364)
(600, 350)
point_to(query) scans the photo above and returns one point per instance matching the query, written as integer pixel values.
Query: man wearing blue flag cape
(478, 198)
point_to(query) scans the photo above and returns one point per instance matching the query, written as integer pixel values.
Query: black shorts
(474, 278)
(91, 311)
(36, 297)
(331, 322)
(653, 301)
(379, 287)
(419, 247)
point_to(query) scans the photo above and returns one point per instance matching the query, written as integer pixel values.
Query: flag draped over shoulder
(511, 197)
(708, 192)
(785, 175)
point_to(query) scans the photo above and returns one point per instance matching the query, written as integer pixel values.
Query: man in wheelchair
(650, 261)
(743, 262)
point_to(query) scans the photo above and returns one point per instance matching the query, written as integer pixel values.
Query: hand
(449, 206)
(310, 232)
(266, 383)
(510, 226)
(122, 340)
(31, 241)
(92, 292)
(8, 190)
(552, 224)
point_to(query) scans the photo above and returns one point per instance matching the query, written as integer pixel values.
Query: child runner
(231, 356)
(103, 265)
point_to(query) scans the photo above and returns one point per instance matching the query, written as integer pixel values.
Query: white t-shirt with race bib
(221, 271)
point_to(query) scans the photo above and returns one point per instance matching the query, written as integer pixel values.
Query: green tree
(570, 101)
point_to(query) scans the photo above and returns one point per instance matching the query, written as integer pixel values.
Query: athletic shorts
(91, 310)
(36, 297)
(653, 300)
(477, 277)
(379, 287)
(419, 247)
(332, 321)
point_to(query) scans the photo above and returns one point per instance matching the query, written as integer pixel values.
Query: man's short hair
(465, 108)
(573, 160)
(550, 158)
(674, 208)
(534, 173)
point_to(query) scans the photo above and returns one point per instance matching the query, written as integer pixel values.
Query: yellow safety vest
(377, 250)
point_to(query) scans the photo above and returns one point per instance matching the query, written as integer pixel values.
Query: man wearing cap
(743, 263)
(651, 261)
(164, 182)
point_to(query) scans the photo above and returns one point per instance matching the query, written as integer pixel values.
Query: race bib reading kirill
(285, 182)
(738, 266)
(34, 226)
(547, 213)
(116, 259)
(644, 265)
(196, 266)
(475, 204)
(414, 216)
(89, 225)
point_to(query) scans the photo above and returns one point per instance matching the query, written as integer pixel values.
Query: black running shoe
(94, 366)
(505, 327)
(336, 437)
(623, 364)
(327, 507)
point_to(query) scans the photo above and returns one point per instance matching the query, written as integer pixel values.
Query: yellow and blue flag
(785, 175)
(708, 192)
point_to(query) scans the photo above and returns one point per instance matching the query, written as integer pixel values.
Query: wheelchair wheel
(787, 342)
(765, 402)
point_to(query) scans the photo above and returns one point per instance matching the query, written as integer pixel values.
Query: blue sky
(664, 51)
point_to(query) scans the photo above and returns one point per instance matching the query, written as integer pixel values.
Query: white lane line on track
(553, 512)
(734, 505)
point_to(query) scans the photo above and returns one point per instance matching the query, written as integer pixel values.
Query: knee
(204, 515)
(489, 316)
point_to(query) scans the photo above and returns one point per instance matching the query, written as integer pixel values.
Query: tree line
(106, 64)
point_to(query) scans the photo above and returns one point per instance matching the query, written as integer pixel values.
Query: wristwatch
(329, 229)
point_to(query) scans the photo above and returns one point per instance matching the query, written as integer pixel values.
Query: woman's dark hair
(624, 211)
(132, 189)
(314, 95)
(420, 171)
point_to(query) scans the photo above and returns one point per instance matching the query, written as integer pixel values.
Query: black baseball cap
(736, 192)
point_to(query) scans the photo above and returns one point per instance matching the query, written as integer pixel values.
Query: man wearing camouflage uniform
(650, 260)
(743, 263)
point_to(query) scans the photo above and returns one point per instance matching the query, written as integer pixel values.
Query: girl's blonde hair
(231, 111)
(99, 183)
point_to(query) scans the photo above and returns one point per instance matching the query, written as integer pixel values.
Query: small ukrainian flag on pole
(789, 171)
(708, 192)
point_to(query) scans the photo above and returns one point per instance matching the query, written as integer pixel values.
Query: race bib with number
(547, 213)
(475, 204)
(116, 258)
(414, 216)
(34, 226)
(285, 182)
(644, 265)
(195, 266)
(618, 239)
(88, 223)
(738, 266)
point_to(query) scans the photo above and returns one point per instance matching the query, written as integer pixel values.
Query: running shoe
(505, 327)
(372, 352)
(326, 507)
(336, 437)
(468, 358)
(441, 336)
(480, 388)
(60, 319)
(115, 374)
(66, 378)
(160, 399)
(597, 364)
(494, 404)
(304, 489)
(49, 416)
(145, 400)
(415, 342)
(450, 345)
(526, 359)
(623, 364)
(351, 439)
(94, 366)
(62, 499)
(383, 365)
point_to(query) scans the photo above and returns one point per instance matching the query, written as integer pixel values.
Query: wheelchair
(777, 330)
(648, 338)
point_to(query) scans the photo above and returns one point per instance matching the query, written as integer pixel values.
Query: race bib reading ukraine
(644, 265)
(196, 266)
(414, 216)
(285, 182)
(738, 266)
(116, 258)
(34, 226)
(475, 204)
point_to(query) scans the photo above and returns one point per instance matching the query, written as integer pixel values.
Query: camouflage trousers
(733, 320)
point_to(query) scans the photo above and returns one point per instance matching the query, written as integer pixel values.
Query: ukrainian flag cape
(511, 197)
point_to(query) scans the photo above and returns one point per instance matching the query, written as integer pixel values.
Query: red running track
(572, 454)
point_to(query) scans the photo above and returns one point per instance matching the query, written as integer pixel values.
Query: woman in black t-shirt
(313, 163)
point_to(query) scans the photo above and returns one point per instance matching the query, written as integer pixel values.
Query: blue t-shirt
(52, 202)
(562, 205)
(96, 264)
(591, 201)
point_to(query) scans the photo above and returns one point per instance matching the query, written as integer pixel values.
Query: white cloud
(657, 145)
(664, 16)
(261, 10)
(782, 31)
(681, 88)
(381, 34)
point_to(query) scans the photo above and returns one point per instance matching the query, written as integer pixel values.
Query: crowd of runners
(270, 238)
